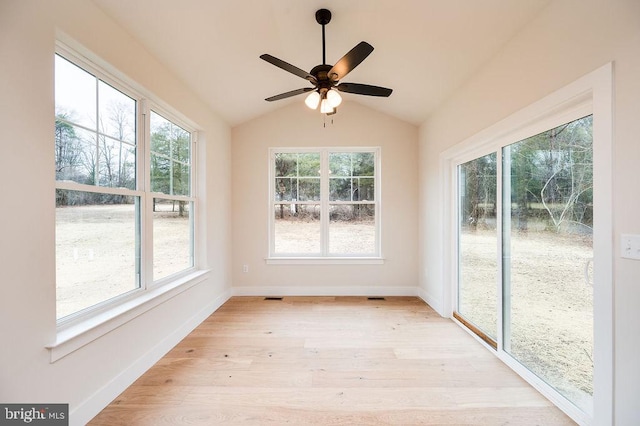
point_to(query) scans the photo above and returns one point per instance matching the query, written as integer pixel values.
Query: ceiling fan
(326, 78)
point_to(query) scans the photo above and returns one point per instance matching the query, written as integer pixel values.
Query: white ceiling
(424, 49)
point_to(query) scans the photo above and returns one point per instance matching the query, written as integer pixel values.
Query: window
(124, 197)
(172, 207)
(324, 203)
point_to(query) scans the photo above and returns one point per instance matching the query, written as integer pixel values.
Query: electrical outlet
(245, 268)
(630, 246)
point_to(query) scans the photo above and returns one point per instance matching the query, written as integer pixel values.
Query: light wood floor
(329, 361)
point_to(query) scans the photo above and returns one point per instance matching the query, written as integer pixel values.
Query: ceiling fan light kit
(333, 98)
(313, 100)
(326, 78)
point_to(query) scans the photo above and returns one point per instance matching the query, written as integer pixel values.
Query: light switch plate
(630, 246)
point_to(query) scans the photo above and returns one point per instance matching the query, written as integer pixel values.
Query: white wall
(569, 39)
(90, 376)
(296, 125)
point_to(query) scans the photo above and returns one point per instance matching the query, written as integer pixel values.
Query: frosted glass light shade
(334, 98)
(325, 107)
(313, 100)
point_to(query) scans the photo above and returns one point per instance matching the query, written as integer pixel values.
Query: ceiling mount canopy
(325, 79)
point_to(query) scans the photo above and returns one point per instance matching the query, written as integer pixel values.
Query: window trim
(324, 257)
(81, 327)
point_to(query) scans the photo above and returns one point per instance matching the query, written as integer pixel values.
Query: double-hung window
(324, 203)
(124, 189)
(172, 201)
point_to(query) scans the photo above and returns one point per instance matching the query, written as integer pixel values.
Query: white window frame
(86, 325)
(591, 94)
(324, 257)
(148, 205)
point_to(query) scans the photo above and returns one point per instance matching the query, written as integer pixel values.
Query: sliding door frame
(591, 94)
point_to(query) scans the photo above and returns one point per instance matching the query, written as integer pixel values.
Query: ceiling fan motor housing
(321, 73)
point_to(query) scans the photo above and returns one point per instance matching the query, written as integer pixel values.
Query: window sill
(74, 335)
(324, 260)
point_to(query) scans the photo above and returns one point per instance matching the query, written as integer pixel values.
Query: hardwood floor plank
(411, 379)
(367, 399)
(150, 395)
(280, 353)
(196, 377)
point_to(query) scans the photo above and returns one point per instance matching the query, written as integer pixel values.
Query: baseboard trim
(431, 301)
(325, 291)
(90, 407)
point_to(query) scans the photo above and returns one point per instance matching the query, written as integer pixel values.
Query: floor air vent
(376, 298)
(273, 298)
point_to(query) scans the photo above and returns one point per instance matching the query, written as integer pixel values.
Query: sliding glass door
(478, 247)
(525, 250)
(547, 248)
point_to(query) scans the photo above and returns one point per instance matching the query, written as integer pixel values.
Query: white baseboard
(325, 291)
(435, 303)
(89, 408)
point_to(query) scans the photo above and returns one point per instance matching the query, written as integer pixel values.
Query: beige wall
(568, 40)
(293, 126)
(94, 374)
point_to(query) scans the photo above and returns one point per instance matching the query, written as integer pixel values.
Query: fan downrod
(323, 16)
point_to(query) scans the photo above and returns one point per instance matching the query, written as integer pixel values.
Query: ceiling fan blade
(288, 67)
(364, 89)
(349, 61)
(289, 94)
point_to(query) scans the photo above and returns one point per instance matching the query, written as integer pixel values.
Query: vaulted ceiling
(424, 49)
